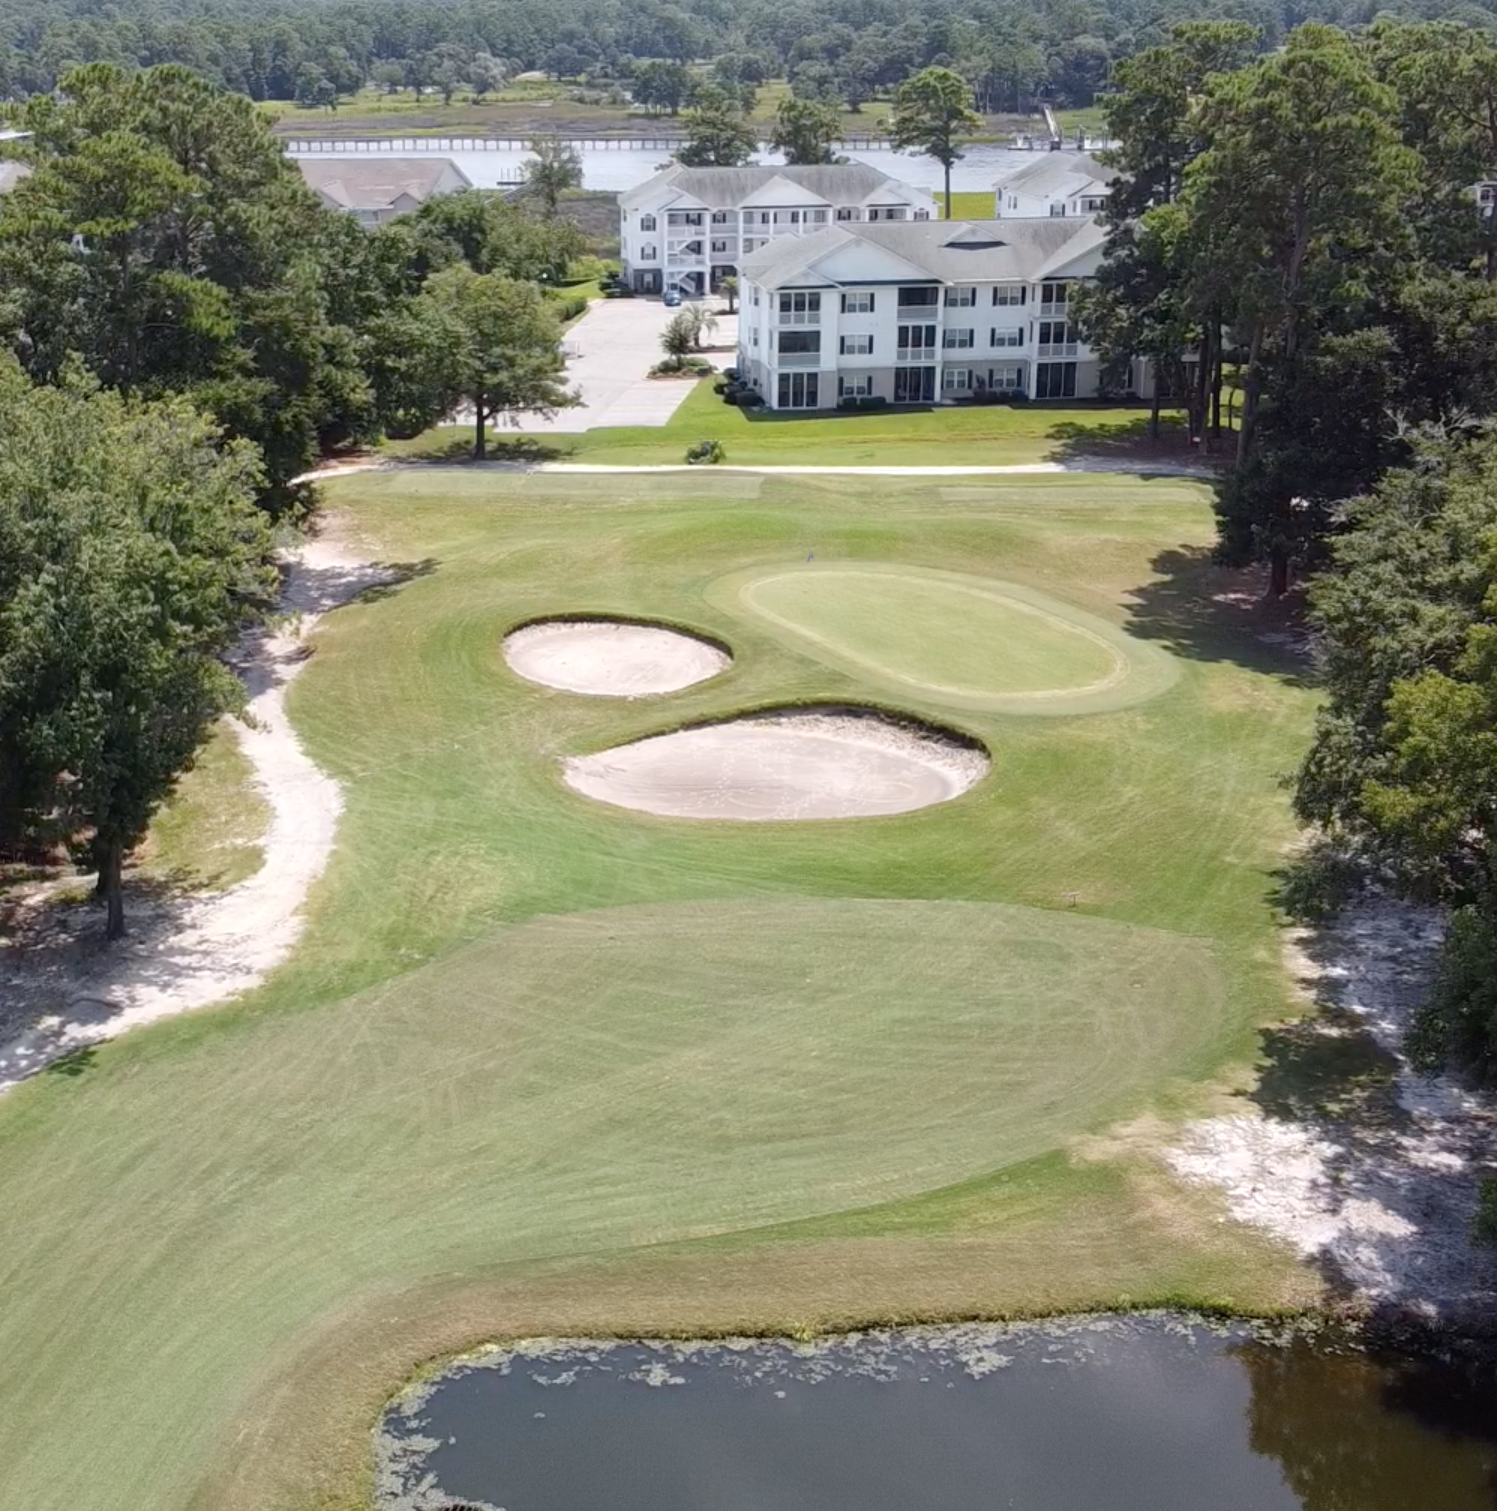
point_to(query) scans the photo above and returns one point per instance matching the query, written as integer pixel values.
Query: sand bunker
(787, 764)
(611, 658)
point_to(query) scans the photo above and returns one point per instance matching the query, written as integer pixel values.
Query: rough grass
(207, 835)
(952, 436)
(804, 1074)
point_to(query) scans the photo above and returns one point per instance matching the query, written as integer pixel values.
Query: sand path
(62, 988)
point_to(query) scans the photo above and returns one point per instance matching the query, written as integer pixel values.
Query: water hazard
(1138, 1414)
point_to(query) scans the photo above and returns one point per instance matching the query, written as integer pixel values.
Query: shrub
(682, 367)
(706, 453)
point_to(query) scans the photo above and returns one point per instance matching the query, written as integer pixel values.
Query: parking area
(610, 352)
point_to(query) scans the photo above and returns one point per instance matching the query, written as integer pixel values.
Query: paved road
(610, 350)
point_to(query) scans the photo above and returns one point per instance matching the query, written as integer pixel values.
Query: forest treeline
(184, 329)
(1314, 230)
(272, 49)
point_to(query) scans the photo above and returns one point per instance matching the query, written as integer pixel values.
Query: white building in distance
(692, 227)
(1070, 185)
(377, 189)
(917, 312)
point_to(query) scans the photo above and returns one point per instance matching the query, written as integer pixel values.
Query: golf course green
(541, 1064)
(957, 639)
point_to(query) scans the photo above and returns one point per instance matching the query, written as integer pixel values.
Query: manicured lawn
(958, 436)
(969, 204)
(543, 1066)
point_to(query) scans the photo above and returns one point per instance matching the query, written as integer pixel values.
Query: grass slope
(799, 1074)
(988, 435)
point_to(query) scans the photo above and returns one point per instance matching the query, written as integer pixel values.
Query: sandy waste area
(611, 658)
(781, 766)
(62, 988)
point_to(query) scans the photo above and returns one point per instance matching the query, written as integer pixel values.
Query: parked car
(672, 296)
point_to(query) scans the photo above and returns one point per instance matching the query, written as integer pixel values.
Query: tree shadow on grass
(1109, 439)
(1206, 612)
(396, 575)
(513, 450)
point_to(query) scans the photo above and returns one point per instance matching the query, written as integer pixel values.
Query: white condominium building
(1069, 185)
(692, 227)
(916, 312)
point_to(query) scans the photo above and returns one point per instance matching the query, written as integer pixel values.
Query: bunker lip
(790, 762)
(606, 656)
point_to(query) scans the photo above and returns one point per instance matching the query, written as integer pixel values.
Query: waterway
(1101, 1414)
(621, 166)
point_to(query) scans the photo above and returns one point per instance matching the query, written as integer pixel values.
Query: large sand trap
(611, 658)
(792, 764)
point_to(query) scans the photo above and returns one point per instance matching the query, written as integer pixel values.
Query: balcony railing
(1053, 311)
(915, 354)
(798, 359)
(1056, 349)
(800, 317)
(926, 312)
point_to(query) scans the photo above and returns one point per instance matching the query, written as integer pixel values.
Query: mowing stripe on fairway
(581, 1082)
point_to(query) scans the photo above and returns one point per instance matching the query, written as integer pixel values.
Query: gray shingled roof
(1056, 171)
(375, 182)
(953, 251)
(724, 187)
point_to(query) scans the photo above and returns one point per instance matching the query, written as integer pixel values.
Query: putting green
(969, 641)
(601, 1079)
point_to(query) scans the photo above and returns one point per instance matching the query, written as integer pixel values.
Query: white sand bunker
(787, 764)
(611, 658)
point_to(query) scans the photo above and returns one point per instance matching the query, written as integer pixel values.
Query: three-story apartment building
(692, 227)
(917, 312)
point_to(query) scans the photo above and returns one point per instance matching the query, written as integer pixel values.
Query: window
(1006, 378)
(684, 218)
(910, 298)
(957, 379)
(1055, 380)
(800, 309)
(922, 214)
(1056, 333)
(754, 335)
(646, 222)
(857, 304)
(1055, 293)
(1009, 293)
(749, 243)
(847, 212)
(720, 217)
(1093, 203)
(914, 385)
(917, 340)
(787, 217)
(961, 299)
(858, 386)
(756, 296)
(958, 339)
(998, 337)
(648, 253)
(857, 346)
(816, 217)
(887, 212)
(1013, 201)
(799, 390)
(719, 246)
(800, 341)
(1058, 212)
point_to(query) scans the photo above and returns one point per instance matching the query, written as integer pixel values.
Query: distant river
(1099, 1414)
(623, 166)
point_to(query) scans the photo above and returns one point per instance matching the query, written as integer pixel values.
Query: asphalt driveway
(610, 351)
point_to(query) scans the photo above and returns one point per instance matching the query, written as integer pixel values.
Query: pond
(624, 166)
(1097, 1414)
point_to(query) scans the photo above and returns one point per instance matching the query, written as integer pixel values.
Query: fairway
(541, 1063)
(960, 640)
